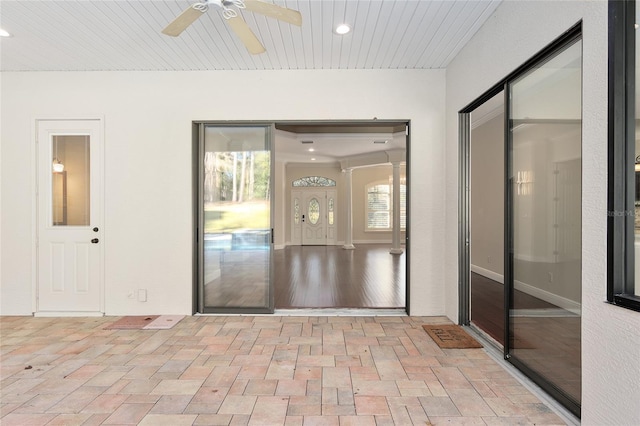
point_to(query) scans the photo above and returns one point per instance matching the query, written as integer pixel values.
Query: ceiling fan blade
(274, 11)
(183, 20)
(244, 33)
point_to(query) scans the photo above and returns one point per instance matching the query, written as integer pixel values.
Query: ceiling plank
(88, 35)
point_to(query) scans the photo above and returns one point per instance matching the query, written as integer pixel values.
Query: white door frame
(35, 215)
(331, 231)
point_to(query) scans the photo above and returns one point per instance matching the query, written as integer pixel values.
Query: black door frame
(197, 254)
(464, 204)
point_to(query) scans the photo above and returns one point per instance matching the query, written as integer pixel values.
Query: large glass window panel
(486, 162)
(545, 193)
(236, 218)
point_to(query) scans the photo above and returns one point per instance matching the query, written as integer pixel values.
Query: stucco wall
(610, 335)
(147, 120)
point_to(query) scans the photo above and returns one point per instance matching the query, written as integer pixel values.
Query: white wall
(148, 115)
(610, 335)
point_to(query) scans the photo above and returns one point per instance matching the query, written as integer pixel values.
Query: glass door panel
(545, 177)
(236, 219)
(71, 166)
(487, 218)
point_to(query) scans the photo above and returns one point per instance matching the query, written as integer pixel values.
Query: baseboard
(488, 274)
(53, 314)
(554, 299)
(300, 245)
(341, 243)
(389, 243)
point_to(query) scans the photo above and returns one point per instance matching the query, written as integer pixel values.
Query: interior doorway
(337, 183)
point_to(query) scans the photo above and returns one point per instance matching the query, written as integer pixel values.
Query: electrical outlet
(142, 295)
(489, 259)
(550, 277)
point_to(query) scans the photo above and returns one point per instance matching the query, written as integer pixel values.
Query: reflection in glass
(70, 183)
(546, 187)
(486, 215)
(237, 224)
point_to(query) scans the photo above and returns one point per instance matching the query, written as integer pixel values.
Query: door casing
(97, 219)
(196, 128)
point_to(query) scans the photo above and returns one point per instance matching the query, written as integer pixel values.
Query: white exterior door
(314, 217)
(69, 196)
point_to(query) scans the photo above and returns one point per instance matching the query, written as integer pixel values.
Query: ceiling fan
(237, 24)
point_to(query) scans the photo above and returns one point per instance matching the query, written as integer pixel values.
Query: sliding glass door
(541, 173)
(544, 228)
(234, 219)
(486, 247)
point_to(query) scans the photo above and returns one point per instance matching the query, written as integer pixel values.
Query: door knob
(95, 229)
(95, 241)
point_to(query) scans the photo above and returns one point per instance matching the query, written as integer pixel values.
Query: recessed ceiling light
(313, 159)
(342, 29)
(4, 33)
(381, 141)
(311, 149)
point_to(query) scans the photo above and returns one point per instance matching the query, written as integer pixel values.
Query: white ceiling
(54, 35)
(333, 147)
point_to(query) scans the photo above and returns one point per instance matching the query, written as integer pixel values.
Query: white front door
(69, 276)
(314, 217)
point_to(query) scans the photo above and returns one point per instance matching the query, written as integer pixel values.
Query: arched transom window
(314, 181)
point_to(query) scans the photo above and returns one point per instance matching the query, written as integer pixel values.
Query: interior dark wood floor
(487, 305)
(332, 277)
(547, 343)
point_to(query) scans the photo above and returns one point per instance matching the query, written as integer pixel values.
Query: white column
(396, 210)
(348, 243)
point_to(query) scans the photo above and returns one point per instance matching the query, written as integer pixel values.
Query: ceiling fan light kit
(236, 23)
